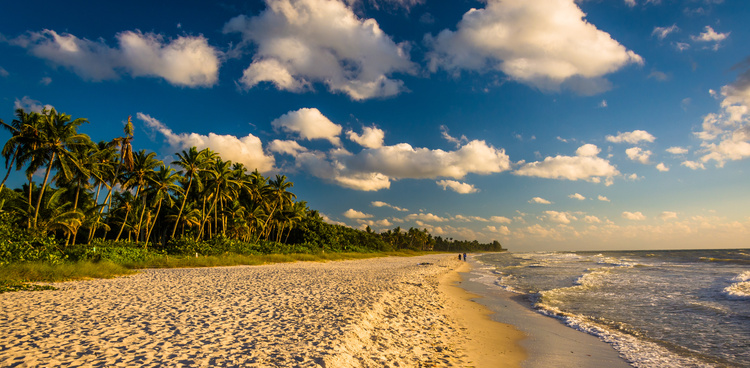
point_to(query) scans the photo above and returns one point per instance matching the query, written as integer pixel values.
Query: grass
(21, 276)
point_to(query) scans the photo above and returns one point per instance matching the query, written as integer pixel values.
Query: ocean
(671, 308)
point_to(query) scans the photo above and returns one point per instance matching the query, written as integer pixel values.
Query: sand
(385, 312)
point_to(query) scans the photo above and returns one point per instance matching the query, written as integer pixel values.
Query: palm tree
(143, 166)
(123, 144)
(279, 196)
(58, 135)
(223, 185)
(162, 183)
(192, 162)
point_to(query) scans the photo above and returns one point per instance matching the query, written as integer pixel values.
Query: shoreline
(549, 342)
(486, 342)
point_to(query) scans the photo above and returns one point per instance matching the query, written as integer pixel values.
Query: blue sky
(545, 125)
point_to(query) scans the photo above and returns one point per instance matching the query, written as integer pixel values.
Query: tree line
(107, 191)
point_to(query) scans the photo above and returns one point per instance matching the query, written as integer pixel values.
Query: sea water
(683, 308)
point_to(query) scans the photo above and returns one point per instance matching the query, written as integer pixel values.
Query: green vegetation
(102, 210)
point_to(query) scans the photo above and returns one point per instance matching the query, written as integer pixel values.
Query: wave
(740, 287)
(638, 351)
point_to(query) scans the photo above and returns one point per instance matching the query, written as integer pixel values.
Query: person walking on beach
(459, 256)
(464, 257)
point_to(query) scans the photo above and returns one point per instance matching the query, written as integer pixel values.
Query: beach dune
(381, 312)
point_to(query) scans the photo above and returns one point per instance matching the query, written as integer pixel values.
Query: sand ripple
(366, 313)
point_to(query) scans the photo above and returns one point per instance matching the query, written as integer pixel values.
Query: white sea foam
(740, 288)
(593, 278)
(637, 352)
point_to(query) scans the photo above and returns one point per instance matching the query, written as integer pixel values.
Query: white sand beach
(383, 312)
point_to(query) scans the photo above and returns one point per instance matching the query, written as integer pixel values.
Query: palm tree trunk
(126, 216)
(10, 168)
(182, 206)
(140, 221)
(41, 190)
(148, 233)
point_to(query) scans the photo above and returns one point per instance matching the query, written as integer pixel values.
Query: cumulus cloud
(543, 43)
(584, 166)
(404, 161)
(539, 200)
(635, 216)
(301, 42)
(247, 150)
(309, 124)
(633, 137)
(577, 196)
(638, 154)
(663, 32)
(677, 150)
(661, 167)
(668, 215)
(502, 230)
(185, 61)
(291, 148)
(592, 219)
(694, 165)
(500, 219)
(354, 214)
(29, 104)
(603, 198)
(560, 217)
(457, 186)
(373, 168)
(709, 35)
(383, 204)
(426, 217)
(371, 137)
(726, 134)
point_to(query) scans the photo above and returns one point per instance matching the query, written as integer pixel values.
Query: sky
(544, 125)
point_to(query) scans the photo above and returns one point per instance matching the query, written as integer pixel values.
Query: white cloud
(539, 200)
(427, 217)
(603, 198)
(46, 81)
(726, 134)
(456, 186)
(457, 141)
(372, 137)
(577, 196)
(560, 217)
(633, 137)
(354, 214)
(309, 124)
(184, 61)
(668, 215)
(592, 219)
(585, 166)
(500, 219)
(301, 42)
(661, 167)
(247, 150)
(404, 161)
(383, 204)
(29, 104)
(543, 43)
(469, 218)
(663, 32)
(638, 154)
(3, 73)
(635, 216)
(677, 150)
(502, 230)
(693, 165)
(709, 35)
(291, 148)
